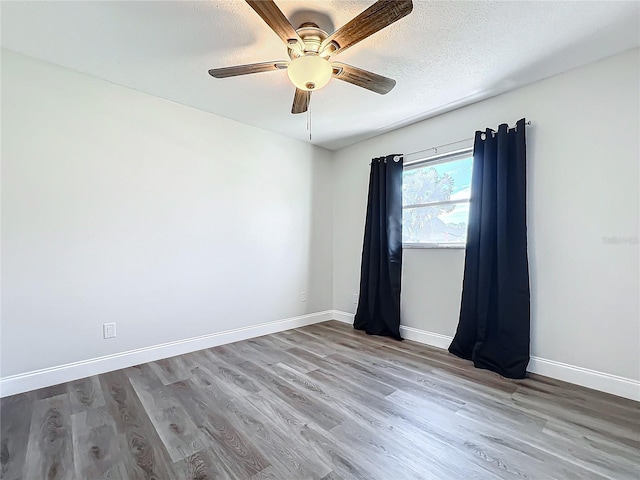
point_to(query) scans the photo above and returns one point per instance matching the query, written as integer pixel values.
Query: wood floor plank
(332, 476)
(95, 416)
(398, 420)
(202, 465)
(52, 391)
(322, 402)
(145, 374)
(411, 368)
(433, 374)
(268, 473)
(50, 448)
(326, 364)
(299, 338)
(435, 360)
(516, 457)
(96, 452)
(572, 434)
(337, 332)
(577, 456)
(390, 457)
(233, 378)
(286, 419)
(446, 392)
(309, 438)
(179, 435)
(255, 348)
(433, 357)
(346, 461)
(408, 387)
(143, 454)
(313, 408)
(268, 343)
(15, 423)
(265, 435)
(599, 399)
(578, 409)
(336, 399)
(628, 435)
(170, 370)
(84, 394)
(413, 404)
(238, 453)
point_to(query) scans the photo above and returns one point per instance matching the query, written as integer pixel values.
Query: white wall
(118, 206)
(583, 183)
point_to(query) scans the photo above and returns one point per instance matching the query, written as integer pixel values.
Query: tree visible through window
(435, 201)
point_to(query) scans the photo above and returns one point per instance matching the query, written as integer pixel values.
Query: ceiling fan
(311, 50)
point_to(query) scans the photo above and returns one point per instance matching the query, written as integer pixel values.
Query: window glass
(435, 199)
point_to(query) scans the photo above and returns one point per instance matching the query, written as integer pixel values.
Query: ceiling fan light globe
(310, 72)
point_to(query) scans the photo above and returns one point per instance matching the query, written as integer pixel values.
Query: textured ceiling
(445, 54)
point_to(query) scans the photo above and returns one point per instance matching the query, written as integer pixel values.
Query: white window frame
(435, 160)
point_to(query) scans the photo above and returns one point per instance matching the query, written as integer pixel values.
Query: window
(435, 200)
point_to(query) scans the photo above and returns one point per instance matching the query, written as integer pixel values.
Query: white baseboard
(604, 382)
(410, 333)
(45, 377)
(428, 338)
(343, 317)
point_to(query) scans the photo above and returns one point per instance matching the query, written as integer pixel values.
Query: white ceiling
(445, 54)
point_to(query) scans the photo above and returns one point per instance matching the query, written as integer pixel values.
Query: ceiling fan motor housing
(312, 36)
(309, 68)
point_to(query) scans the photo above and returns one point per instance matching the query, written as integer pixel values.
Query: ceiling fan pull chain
(309, 120)
(310, 124)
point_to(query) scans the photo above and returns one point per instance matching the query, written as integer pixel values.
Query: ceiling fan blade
(246, 69)
(378, 16)
(273, 16)
(363, 78)
(300, 101)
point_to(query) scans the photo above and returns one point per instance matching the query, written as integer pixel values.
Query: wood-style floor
(320, 402)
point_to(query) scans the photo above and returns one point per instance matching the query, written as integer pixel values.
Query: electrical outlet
(355, 298)
(109, 330)
(303, 296)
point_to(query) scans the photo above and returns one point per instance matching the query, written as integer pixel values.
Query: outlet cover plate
(109, 330)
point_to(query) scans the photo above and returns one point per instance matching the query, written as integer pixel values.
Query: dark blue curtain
(494, 326)
(378, 310)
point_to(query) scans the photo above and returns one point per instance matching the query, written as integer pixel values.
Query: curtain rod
(398, 157)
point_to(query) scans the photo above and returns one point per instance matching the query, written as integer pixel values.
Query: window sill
(444, 246)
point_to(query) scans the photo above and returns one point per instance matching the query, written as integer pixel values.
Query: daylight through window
(435, 200)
